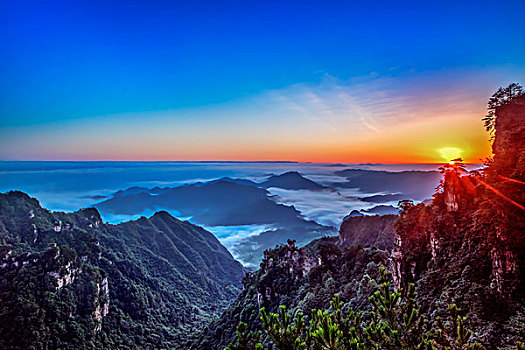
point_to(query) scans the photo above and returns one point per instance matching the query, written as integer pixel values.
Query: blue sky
(87, 61)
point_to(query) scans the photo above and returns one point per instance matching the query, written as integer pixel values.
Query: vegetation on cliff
(462, 251)
(305, 279)
(394, 321)
(71, 281)
(468, 246)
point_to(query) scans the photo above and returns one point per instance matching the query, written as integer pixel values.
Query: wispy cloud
(371, 118)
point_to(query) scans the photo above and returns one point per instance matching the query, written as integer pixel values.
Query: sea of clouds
(69, 186)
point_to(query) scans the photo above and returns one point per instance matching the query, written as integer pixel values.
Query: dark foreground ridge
(70, 281)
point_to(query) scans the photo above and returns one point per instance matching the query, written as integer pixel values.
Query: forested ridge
(68, 280)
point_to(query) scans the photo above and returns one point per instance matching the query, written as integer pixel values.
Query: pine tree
(501, 97)
(452, 334)
(245, 340)
(285, 334)
(394, 323)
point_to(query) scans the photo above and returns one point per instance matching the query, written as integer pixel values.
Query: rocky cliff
(465, 247)
(368, 231)
(468, 246)
(67, 280)
(306, 278)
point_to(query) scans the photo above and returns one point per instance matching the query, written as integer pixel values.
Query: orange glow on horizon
(425, 136)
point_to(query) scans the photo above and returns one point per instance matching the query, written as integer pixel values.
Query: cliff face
(368, 231)
(468, 246)
(70, 281)
(509, 140)
(307, 278)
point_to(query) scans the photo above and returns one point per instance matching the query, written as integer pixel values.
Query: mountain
(224, 202)
(70, 281)
(383, 198)
(234, 180)
(306, 278)
(368, 231)
(292, 180)
(416, 185)
(216, 203)
(462, 252)
(468, 246)
(382, 210)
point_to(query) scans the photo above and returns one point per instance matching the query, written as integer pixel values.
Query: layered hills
(224, 202)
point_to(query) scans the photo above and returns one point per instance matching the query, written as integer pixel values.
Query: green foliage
(154, 270)
(284, 333)
(245, 340)
(453, 334)
(394, 322)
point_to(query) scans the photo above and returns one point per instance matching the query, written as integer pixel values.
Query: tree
(455, 165)
(285, 334)
(245, 340)
(501, 97)
(405, 204)
(394, 323)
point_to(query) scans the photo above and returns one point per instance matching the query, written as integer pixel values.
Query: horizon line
(230, 161)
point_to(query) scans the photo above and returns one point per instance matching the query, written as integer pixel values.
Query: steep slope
(69, 280)
(368, 231)
(306, 278)
(468, 246)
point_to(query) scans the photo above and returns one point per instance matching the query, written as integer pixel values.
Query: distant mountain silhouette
(216, 203)
(382, 198)
(223, 202)
(235, 181)
(292, 180)
(352, 214)
(382, 210)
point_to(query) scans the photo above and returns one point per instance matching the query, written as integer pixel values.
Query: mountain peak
(292, 180)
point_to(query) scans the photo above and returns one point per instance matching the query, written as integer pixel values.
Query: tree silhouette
(501, 97)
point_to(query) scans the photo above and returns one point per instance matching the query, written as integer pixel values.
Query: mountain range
(68, 280)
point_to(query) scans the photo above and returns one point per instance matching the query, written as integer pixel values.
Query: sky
(320, 81)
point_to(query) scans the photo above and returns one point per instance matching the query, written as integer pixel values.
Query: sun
(448, 153)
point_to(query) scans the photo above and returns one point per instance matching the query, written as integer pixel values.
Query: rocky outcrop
(468, 246)
(509, 140)
(72, 281)
(101, 302)
(288, 261)
(305, 278)
(368, 231)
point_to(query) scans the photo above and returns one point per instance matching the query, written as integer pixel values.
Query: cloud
(408, 116)
(324, 207)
